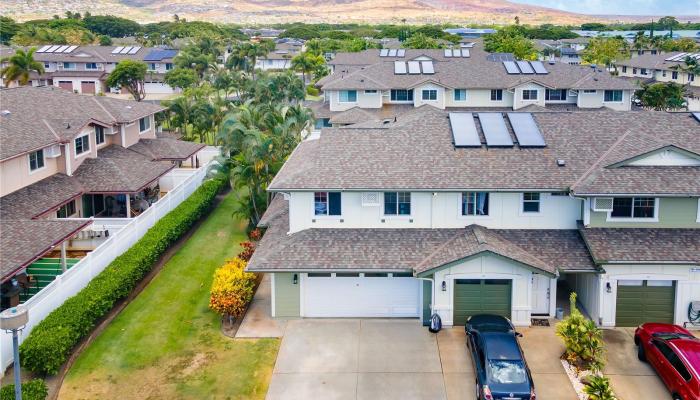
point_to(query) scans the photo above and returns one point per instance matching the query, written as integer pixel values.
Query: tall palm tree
(306, 63)
(20, 65)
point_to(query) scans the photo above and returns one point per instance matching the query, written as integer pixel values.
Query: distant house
(281, 57)
(469, 32)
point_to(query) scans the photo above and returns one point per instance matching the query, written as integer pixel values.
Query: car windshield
(507, 371)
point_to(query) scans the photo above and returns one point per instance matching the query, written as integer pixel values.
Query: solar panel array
(414, 67)
(456, 53)
(682, 57)
(525, 67)
(158, 55)
(126, 50)
(495, 130)
(427, 67)
(399, 67)
(526, 130)
(65, 49)
(392, 52)
(383, 52)
(498, 57)
(697, 116)
(464, 133)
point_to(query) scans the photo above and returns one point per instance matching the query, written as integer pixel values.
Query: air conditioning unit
(53, 151)
(370, 199)
(112, 131)
(602, 204)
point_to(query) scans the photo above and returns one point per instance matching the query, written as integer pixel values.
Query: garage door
(480, 296)
(352, 295)
(67, 85)
(87, 87)
(644, 301)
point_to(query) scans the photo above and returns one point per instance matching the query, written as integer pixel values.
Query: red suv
(675, 355)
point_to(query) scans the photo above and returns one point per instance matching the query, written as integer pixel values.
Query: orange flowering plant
(232, 288)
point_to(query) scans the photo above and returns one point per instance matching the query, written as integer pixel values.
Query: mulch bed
(540, 322)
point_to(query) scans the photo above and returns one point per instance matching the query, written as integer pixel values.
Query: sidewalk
(258, 323)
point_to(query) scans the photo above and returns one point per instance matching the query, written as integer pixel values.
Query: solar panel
(117, 49)
(526, 130)
(448, 53)
(61, 49)
(538, 67)
(673, 58)
(134, 50)
(511, 68)
(465, 53)
(392, 52)
(413, 67)
(401, 52)
(525, 67)
(427, 67)
(697, 116)
(495, 130)
(52, 49)
(70, 49)
(464, 133)
(399, 67)
(383, 52)
(125, 50)
(43, 48)
(456, 53)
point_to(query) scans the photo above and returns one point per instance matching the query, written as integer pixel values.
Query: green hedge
(49, 344)
(35, 389)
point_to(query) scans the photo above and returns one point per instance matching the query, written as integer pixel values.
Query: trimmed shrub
(583, 340)
(35, 389)
(598, 388)
(312, 91)
(49, 344)
(232, 288)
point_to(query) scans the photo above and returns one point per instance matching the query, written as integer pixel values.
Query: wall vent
(602, 204)
(370, 199)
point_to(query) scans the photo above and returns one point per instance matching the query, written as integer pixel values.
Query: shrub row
(35, 389)
(49, 344)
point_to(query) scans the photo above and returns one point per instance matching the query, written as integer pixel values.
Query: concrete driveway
(395, 359)
(631, 379)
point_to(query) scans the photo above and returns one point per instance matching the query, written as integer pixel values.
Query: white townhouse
(466, 212)
(382, 83)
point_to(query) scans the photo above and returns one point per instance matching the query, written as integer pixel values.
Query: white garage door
(361, 295)
(157, 88)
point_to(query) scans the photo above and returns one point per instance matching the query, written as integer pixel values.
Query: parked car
(675, 355)
(499, 365)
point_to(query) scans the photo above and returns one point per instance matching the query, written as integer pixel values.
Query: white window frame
(610, 218)
(460, 197)
(75, 144)
(43, 161)
(147, 118)
(104, 138)
(457, 91)
(411, 91)
(524, 213)
(530, 91)
(397, 215)
(63, 64)
(168, 66)
(674, 75)
(496, 91)
(154, 65)
(47, 65)
(340, 98)
(328, 206)
(622, 96)
(91, 69)
(423, 92)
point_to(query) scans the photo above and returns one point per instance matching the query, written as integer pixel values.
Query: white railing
(77, 277)
(173, 178)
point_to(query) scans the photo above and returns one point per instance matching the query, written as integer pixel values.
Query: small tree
(129, 74)
(232, 289)
(182, 78)
(662, 96)
(583, 340)
(19, 66)
(598, 388)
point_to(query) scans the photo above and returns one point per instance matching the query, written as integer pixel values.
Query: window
(634, 71)
(613, 96)
(66, 211)
(673, 359)
(633, 207)
(319, 275)
(99, 134)
(531, 202)
(401, 95)
(347, 275)
(624, 68)
(460, 94)
(507, 372)
(370, 91)
(322, 123)
(397, 203)
(644, 71)
(691, 77)
(496, 94)
(530, 94)
(68, 65)
(91, 65)
(376, 275)
(327, 203)
(36, 160)
(429, 94)
(653, 52)
(555, 94)
(663, 73)
(144, 124)
(82, 144)
(347, 96)
(47, 65)
(674, 75)
(168, 66)
(151, 66)
(475, 203)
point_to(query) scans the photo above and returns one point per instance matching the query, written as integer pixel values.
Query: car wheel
(677, 397)
(640, 354)
(636, 340)
(478, 392)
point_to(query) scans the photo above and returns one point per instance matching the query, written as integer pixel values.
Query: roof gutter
(448, 190)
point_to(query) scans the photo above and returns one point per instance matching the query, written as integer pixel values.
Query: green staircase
(44, 271)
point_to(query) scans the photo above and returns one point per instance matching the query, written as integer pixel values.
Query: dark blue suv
(500, 368)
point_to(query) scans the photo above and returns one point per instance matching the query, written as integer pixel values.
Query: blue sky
(622, 7)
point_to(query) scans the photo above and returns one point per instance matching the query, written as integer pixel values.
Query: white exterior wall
(595, 100)
(264, 64)
(587, 287)
(76, 83)
(364, 100)
(518, 101)
(441, 210)
(478, 98)
(418, 96)
(569, 98)
(486, 267)
(603, 313)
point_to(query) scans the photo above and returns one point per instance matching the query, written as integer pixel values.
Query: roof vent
(5, 113)
(561, 162)
(67, 125)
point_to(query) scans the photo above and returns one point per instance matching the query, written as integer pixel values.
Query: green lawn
(167, 343)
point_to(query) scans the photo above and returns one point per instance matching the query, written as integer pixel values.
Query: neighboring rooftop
(666, 61)
(620, 245)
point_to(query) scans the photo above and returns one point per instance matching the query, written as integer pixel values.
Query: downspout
(69, 170)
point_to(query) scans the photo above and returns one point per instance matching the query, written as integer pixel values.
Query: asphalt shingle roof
(166, 148)
(39, 198)
(643, 244)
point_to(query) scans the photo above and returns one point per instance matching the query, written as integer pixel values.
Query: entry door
(540, 294)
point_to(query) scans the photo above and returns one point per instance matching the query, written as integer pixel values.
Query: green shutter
(639, 304)
(480, 296)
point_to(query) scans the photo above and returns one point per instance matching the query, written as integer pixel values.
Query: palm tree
(180, 112)
(20, 65)
(306, 63)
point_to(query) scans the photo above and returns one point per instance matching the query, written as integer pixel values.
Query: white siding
(364, 100)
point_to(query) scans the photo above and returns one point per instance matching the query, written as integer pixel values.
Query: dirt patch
(196, 363)
(540, 322)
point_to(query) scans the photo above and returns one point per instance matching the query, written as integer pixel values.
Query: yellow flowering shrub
(232, 288)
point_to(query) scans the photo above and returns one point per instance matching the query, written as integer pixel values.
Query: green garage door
(480, 296)
(644, 301)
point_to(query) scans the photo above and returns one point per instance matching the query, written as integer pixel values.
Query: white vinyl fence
(77, 277)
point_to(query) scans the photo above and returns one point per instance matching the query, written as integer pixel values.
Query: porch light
(295, 278)
(444, 286)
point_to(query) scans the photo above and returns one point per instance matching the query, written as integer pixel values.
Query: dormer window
(82, 144)
(36, 160)
(634, 207)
